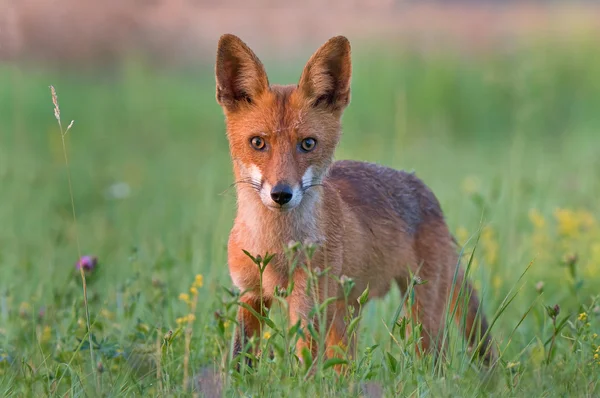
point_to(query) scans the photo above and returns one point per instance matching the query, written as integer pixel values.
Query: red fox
(370, 223)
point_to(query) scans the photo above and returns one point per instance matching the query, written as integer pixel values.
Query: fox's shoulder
(372, 186)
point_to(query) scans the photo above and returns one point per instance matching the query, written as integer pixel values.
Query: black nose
(281, 194)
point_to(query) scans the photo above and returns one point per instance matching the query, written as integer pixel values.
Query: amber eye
(308, 144)
(257, 143)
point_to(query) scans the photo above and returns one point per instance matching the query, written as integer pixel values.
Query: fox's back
(377, 193)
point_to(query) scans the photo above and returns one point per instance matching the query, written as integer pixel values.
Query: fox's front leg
(299, 305)
(249, 324)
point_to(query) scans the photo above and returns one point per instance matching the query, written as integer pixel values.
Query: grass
(510, 139)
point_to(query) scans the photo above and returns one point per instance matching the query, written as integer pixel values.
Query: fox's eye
(257, 143)
(308, 144)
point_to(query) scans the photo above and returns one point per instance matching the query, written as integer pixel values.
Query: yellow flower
(181, 320)
(191, 318)
(595, 335)
(267, 335)
(226, 324)
(184, 297)
(24, 309)
(586, 219)
(470, 185)
(568, 222)
(199, 280)
(106, 313)
(537, 219)
(193, 291)
(497, 282)
(596, 356)
(582, 317)
(512, 364)
(490, 245)
(46, 334)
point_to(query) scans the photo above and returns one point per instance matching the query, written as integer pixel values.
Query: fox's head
(282, 138)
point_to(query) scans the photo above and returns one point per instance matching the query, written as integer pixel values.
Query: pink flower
(88, 263)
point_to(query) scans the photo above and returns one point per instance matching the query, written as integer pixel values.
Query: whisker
(254, 184)
(306, 188)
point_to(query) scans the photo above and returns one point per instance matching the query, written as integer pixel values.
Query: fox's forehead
(278, 110)
(283, 111)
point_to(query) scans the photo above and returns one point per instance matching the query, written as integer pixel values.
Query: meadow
(509, 142)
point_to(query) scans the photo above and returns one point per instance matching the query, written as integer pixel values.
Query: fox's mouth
(280, 208)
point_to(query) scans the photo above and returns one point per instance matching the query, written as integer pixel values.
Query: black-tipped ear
(240, 75)
(325, 80)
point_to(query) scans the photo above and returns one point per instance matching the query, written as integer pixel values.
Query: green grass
(494, 136)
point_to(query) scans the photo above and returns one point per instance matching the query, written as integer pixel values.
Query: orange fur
(368, 222)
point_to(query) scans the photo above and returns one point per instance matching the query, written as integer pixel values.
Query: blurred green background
(504, 136)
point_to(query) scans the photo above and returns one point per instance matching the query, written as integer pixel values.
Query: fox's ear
(240, 75)
(325, 81)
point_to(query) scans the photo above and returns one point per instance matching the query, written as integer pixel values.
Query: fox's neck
(270, 230)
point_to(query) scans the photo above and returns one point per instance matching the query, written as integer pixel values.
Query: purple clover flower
(88, 263)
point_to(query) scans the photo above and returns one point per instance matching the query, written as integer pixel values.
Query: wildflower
(194, 291)
(24, 310)
(582, 317)
(88, 263)
(490, 245)
(106, 314)
(596, 356)
(470, 185)
(539, 287)
(119, 190)
(497, 282)
(586, 219)
(46, 334)
(184, 297)
(267, 335)
(226, 324)
(198, 281)
(594, 336)
(42, 313)
(512, 365)
(180, 321)
(537, 219)
(191, 318)
(568, 222)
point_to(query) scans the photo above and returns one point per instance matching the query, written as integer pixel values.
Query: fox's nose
(281, 193)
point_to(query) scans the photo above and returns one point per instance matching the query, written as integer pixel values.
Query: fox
(370, 223)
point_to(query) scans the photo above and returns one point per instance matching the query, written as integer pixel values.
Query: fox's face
(282, 138)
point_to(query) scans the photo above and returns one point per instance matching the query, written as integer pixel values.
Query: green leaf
(402, 325)
(327, 302)
(333, 362)
(249, 255)
(313, 332)
(353, 325)
(306, 358)
(269, 322)
(364, 296)
(392, 362)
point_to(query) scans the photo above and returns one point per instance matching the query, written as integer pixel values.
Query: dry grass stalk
(63, 133)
